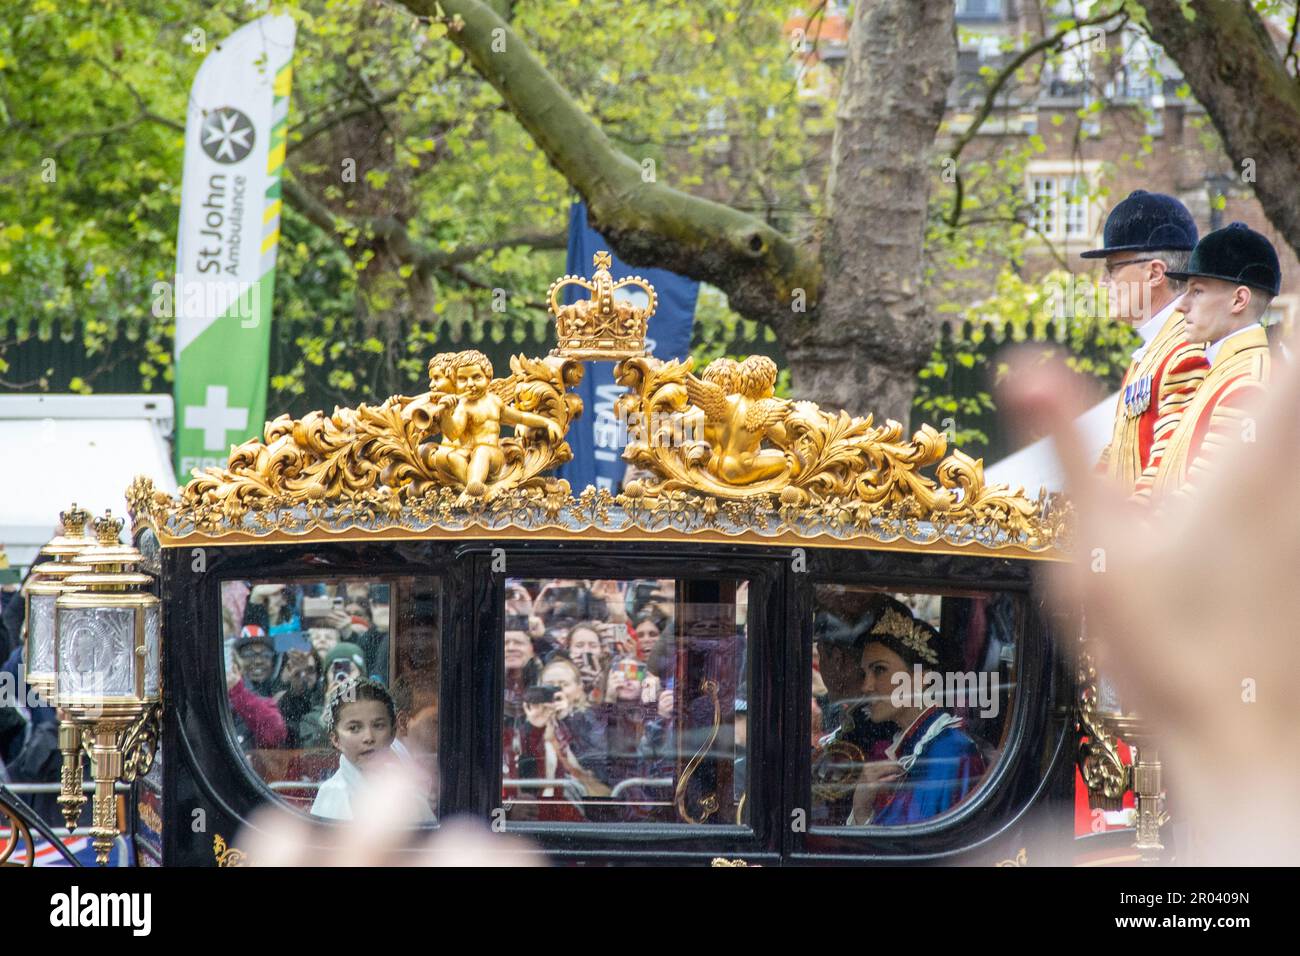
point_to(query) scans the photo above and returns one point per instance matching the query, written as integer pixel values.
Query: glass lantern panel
(152, 648)
(42, 628)
(96, 647)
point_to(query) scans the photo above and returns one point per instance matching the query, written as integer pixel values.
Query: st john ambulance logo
(226, 135)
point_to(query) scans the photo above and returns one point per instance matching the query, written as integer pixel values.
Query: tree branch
(397, 238)
(1234, 70)
(1055, 41)
(646, 222)
(305, 132)
(464, 276)
(1290, 43)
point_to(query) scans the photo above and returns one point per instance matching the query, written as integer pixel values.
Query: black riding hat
(1236, 254)
(1146, 222)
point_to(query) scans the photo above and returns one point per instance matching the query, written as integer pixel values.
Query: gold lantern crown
(601, 327)
(74, 539)
(108, 530)
(109, 563)
(74, 520)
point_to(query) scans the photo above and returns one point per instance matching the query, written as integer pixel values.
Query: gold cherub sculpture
(470, 423)
(740, 414)
(449, 436)
(757, 444)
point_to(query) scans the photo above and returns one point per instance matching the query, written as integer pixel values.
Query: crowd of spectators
(589, 728)
(287, 646)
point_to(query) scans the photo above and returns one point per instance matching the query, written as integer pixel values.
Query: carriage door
(624, 705)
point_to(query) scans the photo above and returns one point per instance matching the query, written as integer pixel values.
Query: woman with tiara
(932, 764)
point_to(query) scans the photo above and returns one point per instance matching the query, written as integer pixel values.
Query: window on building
(1061, 207)
(979, 9)
(1074, 199)
(1044, 189)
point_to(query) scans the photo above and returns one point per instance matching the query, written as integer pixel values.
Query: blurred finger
(465, 842)
(275, 838)
(384, 819)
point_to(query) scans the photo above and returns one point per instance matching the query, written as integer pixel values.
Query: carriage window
(911, 699)
(327, 679)
(625, 701)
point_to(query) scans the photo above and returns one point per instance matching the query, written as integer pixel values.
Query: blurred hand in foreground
(1194, 614)
(380, 834)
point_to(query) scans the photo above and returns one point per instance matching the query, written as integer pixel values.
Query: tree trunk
(865, 332)
(1235, 72)
(870, 332)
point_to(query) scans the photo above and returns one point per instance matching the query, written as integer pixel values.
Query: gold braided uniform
(1156, 388)
(1214, 422)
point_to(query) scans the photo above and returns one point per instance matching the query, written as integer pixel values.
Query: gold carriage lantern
(43, 589)
(107, 662)
(601, 327)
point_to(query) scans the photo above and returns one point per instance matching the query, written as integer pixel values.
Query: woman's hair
(662, 659)
(352, 691)
(915, 641)
(648, 614)
(297, 655)
(590, 626)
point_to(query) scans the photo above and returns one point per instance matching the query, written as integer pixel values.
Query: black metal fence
(954, 391)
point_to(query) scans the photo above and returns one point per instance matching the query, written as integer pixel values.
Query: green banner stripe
(234, 354)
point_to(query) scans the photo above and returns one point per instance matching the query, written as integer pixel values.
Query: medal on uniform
(1137, 396)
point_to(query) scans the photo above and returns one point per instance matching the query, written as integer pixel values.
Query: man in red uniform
(1231, 278)
(1147, 238)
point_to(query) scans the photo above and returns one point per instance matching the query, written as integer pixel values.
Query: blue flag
(598, 437)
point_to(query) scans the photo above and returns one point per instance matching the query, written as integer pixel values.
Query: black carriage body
(205, 792)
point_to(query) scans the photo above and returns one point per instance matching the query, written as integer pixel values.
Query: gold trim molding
(764, 520)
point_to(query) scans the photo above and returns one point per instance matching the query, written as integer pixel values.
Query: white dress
(335, 796)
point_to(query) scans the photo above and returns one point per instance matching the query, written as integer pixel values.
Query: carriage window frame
(996, 802)
(438, 574)
(760, 837)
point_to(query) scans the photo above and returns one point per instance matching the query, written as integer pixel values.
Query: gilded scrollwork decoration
(226, 855)
(715, 455)
(448, 437)
(707, 804)
(1098, 755)
(140, 744)
(17, 848)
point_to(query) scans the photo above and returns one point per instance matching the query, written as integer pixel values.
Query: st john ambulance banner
(229, 231)
(598, 437)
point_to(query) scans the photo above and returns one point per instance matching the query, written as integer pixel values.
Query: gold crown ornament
(601, 327)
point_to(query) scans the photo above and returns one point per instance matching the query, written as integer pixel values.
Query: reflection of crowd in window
(589, 705)
(882, 757)
(307, 676)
